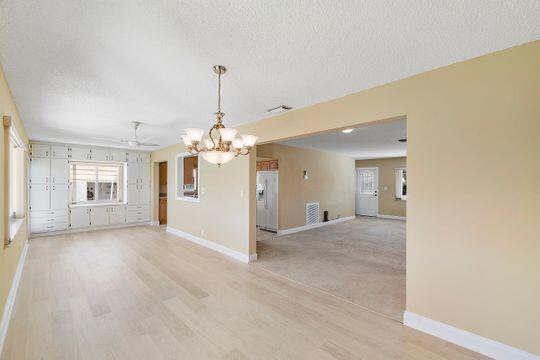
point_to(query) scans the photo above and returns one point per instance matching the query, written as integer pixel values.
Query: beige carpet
(361, 260)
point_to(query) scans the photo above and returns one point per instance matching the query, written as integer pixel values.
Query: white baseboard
(465, 339)
(393, 217)
(245, 258)
(154, 223)
(313, 226)
(6, 315)
(89, 228)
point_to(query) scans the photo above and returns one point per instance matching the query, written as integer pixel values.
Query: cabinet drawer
(47, 213)
(52, 219)
(138, 207)
(35, 228)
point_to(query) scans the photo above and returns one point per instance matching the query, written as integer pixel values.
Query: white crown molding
(465, 339)
(6, 315)
(313, 226)
(393, 217)
(245, 258)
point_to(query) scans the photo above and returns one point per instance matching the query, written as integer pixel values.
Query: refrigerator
(267, 196)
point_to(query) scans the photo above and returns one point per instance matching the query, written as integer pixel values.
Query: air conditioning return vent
(312, 213)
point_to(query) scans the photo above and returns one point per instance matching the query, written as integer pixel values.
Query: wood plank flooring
(139, 293)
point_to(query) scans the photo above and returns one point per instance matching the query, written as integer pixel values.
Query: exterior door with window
(367, 185)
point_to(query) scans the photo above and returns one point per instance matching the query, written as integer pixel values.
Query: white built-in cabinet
(49, 188)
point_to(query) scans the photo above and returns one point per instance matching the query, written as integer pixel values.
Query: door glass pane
(367, 182)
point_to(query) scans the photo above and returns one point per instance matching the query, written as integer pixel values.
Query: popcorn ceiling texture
(82, 70)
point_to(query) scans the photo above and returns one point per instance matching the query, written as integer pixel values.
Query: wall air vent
(312, 213)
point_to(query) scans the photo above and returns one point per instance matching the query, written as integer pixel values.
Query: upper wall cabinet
(118, 155)
(81, 153)
(137, 157)
(40, 150)
(59, 152)
(99, 154)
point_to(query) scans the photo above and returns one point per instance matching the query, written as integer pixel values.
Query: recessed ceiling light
(347, 131)
(279, 109)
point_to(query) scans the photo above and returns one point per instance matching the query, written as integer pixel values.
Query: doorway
(162, 211)
(367, 185)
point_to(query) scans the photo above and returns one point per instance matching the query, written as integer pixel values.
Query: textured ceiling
(81, 70)
(369, 142)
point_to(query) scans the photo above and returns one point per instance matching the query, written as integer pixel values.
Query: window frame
(176, 177)
(399, 183)
(121, 184)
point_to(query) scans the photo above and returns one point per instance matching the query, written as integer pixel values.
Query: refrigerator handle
(266, 193)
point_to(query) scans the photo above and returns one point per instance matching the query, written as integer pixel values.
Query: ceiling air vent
(403, 140)
(312, 213)
(279, 109)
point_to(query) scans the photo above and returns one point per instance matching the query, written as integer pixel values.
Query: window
(96, 182)
(14, 152)
(187, 177)
(401, 184)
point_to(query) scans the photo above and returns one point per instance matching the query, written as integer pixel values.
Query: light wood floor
(139, 293)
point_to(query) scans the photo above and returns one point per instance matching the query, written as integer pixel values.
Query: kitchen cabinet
(118, 155)
(59, 171)
(117, 215)
(59, 152)
(59, 196)
(40, 150)
(40, 169)
(79, 217)
(81, 153)
(99, 216)
(98, 154)
(39, 197)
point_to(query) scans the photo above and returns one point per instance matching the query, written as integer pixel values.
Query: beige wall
(222, 214)
(473, 249)
(388, 204)
(331, 183)
(9, 257)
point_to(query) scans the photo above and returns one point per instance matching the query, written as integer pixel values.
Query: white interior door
(367, 185)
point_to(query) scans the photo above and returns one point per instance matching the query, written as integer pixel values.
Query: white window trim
(96, 182)
(187, 198)
(398, 185)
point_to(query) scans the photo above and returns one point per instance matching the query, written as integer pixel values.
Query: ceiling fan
(134, 141)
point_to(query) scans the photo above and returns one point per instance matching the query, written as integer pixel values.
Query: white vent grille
(312, 213)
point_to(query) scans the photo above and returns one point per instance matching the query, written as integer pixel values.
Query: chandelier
(222, 145)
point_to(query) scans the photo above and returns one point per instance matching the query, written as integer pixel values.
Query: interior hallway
(361, 260)
(139, 293)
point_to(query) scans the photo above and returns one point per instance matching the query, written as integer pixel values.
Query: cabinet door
(133, 156)
(80, 153)
(144, 158)
(133, 194)
(144, 173)
(59, 171)
(99, 216)
(79, 217)
(59, 152)
(118, 155)
(100, 154)
(132, 173)
(40, 170)
(117, 215)
(40, 150)
(39, 197)
(144, 194)
(59, 196)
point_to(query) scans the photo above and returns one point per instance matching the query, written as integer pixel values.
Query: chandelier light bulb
(238, 143)
(228, 134)
(249, 140)
(186, 140)
(195, 135)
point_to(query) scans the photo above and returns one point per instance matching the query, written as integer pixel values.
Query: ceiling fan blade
(147, 144)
